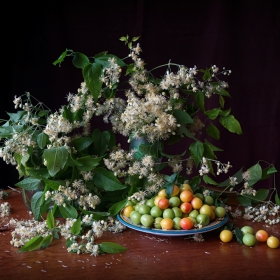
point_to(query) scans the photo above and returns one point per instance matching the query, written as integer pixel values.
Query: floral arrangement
(82, 174)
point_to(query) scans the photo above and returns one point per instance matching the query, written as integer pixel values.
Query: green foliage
(111, 248)
(56, 159)
(105, 180)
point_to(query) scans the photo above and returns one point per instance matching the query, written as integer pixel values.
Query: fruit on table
(247, 229)
(272, 242)
(180, 210)
(249, 239)
(226, 235)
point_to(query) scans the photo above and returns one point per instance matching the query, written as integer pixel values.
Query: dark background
(243, 36)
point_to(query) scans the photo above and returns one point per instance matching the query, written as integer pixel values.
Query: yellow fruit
(226, 235)
(127, 210)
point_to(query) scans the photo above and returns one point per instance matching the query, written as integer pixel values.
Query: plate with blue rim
(210, 227)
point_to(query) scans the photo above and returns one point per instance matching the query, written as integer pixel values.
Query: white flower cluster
(86, 242)
(267, 212)
(221, 167)
(26, 230)
(5, 209)
(77, 192)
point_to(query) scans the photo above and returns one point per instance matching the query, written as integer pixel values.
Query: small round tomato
(272, 242)
(206, 209)
(163, 203)
(226, 235)
(166, 223)
(262, 235)
(162, 192)
(186, 207)
(186, 196)
(185, 187)
(186, 223)
(196, 203)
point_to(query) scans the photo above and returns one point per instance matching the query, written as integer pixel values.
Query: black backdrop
(243, 36)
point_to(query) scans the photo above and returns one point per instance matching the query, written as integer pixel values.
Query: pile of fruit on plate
(181, 210)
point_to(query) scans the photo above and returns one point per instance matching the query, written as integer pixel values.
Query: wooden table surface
(147, 256)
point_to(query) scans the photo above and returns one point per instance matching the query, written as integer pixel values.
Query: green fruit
(174, 201)
(247, 229)
(176, 223)
(156, 212)
(135, 217)
(168, 213)
(220, 212)
(144, 209)
(203, 219)
(209, 200)
(157, 222)
(199, 195)
(150, 202)
(249, 239)
(177, 211)
(147, 220)
(194, 213)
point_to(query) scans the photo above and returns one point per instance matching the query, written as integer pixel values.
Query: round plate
(212, 226)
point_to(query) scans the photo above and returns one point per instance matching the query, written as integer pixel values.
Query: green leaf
(213, 131)
(32, 244)
(68, 211)
(221, 101)
(117, 207)
(271, 170)
(16, 117)
(199, 100)
(36, 202)
(76, 228)
(42, 140)
(56, 159)
(80, 60)
(46, 241)
(212, 114)
(103, 60)
(106, 180)
(230, 123)
(208, 180)
(101, 141)
(91, 74)
(197, 149)
(222, 91)
(88, 163)
(261, 195)
(238, 176)
(185, 131)
(206, 75)
(61, 58)
(182, 117)
(244, 201)
(82, 143)
(225, 113)
(214, 148)
(111, 248)
(238, 234)
(208, 152)
(50, 220)
(29, 184)
(53, 184)
(255, 174)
